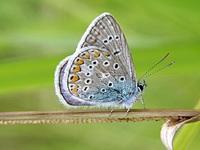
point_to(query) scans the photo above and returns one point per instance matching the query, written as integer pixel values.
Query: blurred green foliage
(36, 34)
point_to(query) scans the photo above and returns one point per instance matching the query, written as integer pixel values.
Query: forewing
(105, 33)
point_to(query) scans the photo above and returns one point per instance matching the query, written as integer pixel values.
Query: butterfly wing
(101, 71)
(104, 32)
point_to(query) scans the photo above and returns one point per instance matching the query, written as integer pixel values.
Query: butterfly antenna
(145, 74)
(144, 77)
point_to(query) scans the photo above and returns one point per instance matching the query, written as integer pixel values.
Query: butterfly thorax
(129, 99)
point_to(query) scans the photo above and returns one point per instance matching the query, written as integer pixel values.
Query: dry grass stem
(93, 116)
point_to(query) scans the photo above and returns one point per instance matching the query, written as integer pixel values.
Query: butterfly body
(101, 71)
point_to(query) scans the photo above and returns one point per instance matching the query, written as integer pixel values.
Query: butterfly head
(141, 85)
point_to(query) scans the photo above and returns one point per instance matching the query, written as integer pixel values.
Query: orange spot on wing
(76, 68)
(96, 54)
(74, 78)
(75, 88)
(107, 54)
(86, 56)
(79, 61)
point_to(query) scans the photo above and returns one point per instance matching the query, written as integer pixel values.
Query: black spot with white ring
(88, 81)
(117, 37)
(95, 62)
(122, 79)
(105, 41)
(110, 84)
(103, 90)
(91, 67)
(116, 66)
(117, 52)
(91, 97)
(110, 38)
(106, 63)
(85, 88)
(88, 74)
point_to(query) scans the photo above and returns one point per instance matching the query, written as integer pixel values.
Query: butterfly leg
(143, 103)
(127, 112)
(111, 112)
(114, 108)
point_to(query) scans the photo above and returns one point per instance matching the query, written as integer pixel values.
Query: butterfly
(101, 72)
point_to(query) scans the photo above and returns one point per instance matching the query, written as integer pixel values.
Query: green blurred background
(35, 35)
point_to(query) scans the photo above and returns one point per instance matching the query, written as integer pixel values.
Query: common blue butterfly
(101, 71)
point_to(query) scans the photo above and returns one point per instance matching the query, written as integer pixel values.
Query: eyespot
(105, 41)
(103, 90)
(88, 81)
(88, 74)
(110, 84)
(117, 52)
(116, 66)
(85, 88)
(117, 37)
(91, 97)
(91, 67)
(95, 62)
(106, 63)
(122, 78)
(110, 38)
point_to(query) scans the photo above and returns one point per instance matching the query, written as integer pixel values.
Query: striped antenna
(145, 75)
